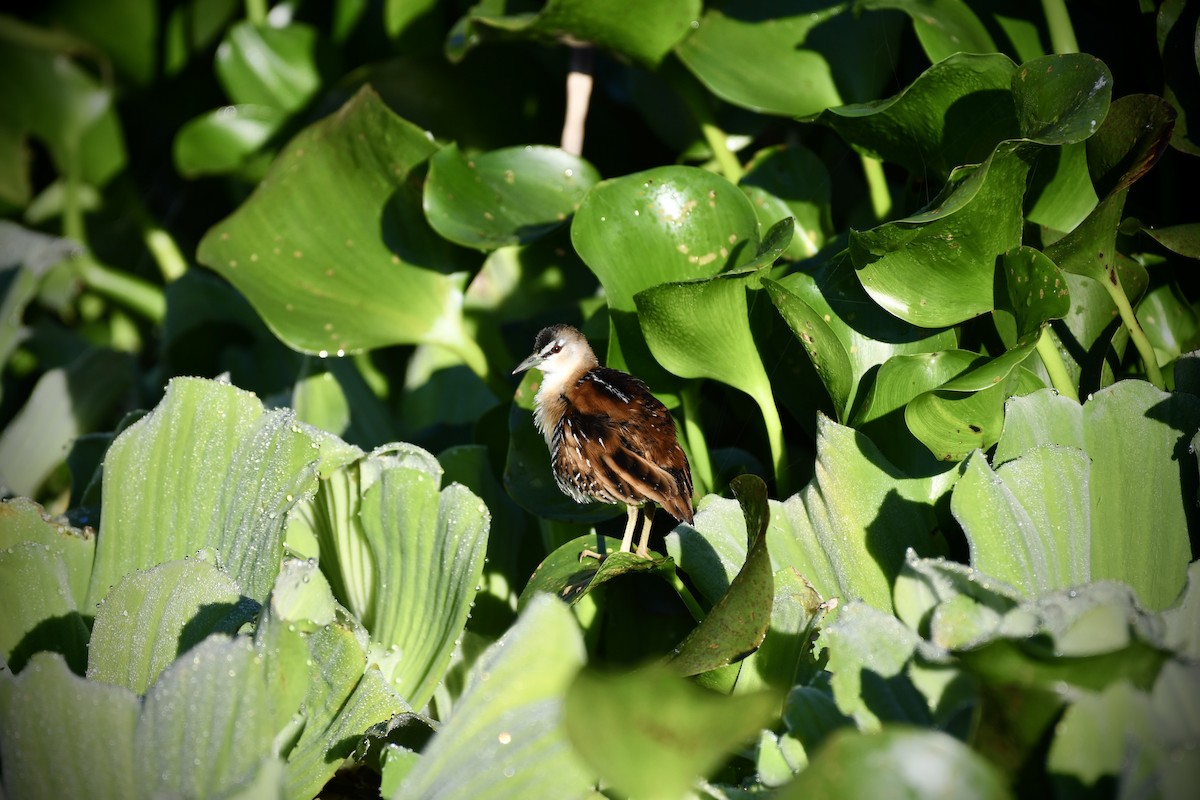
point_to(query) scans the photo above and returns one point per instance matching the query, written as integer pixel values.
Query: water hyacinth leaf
(643, 33)
(897, 762)
(847, 531)
(1028, 522)
(581, 565)
(967, 412)
(843, 331)
(327, 278)
(269, 66)
(223, 472)
(736, 625)
(1035, 289)
(1138, 529)
(1171, 323)
(931, 126)
(507, 737)
(207, 720)
(649, 228)
(65, 402)
(505, 197)
(791, 181)
(319, 400)
(944, 27)
(1061, 99)
(745, 53)
(652, 734)
(63, 736)
(225, 140)
(937, 267)
(150, 618)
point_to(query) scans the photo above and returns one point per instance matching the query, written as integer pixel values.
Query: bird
(610, 439)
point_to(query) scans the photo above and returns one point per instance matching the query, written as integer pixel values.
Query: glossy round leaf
(937, 267)
(1061, 99)
(944, 27)
(504, 197)
(274, 67)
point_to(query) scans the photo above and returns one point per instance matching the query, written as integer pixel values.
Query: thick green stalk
(687, 597)
(881, 196)
(133, 293)
(1052, 361)
(783, 482)
(161, 245)
(1144, 348)
(693, 434)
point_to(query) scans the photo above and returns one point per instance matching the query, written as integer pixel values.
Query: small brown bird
(610, 439)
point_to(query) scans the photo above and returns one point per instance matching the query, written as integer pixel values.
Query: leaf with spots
(333, 250)
(505, 197)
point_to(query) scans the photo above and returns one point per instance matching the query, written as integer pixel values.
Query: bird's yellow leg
(627, 539)
(644, 539)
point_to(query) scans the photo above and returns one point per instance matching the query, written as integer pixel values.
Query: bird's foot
(592, 554)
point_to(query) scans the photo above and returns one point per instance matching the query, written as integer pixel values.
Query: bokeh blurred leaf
(224, 140)
(791, 181)
(266, 66)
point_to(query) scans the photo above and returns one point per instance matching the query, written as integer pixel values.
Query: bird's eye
(557, 347)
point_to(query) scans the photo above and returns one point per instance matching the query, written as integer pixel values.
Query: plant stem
(1144, 348)
(133, 293)
(731, 168)
(1052, 361)
(1058, 21)
(256, 12)
(783, 481)
(161, 245)
(693, 434)
(881, 196)
(687, 597)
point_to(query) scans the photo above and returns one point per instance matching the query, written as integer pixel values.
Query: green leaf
(1061, 99)
(269, 66)
(66, 403)
(209, 467)
(207, 720)
(1183, 618)
(739, 621)
(843, 331)
(1138, 527)
(649, 228)
(944, 27)
(644, 32)
(326, 279)
(937, 267)
(44, 571)
(749, 55)
(576, 568)
(931, 126)
(507, 736)
(791, 181)
(1035, 289)
(504, 197)
(225, 140)
(150, 618)
(652, 734)
(25, 257)
(897, 762)
(63, 736)
(847, 531)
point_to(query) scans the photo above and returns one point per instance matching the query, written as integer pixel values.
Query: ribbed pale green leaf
(847, 531)
(44, 571)
(207, 721)
(1138, 528)
(209, 467)
(507, 738)
(63, 736)
(152, 617)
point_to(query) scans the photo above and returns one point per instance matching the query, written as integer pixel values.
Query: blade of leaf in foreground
(651, 734)
(209, 467)
(570, 575)
(738, 622)
(897, 762)
(63, 736)
(847, 531)
(1141, 484)
(506, 737)
(429, 548)
(207, 721)
(152, 617)
(362, 272)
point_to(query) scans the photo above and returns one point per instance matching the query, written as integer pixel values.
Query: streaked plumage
(610, 439)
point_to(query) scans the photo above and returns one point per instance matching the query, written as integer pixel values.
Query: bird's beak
(532, 361)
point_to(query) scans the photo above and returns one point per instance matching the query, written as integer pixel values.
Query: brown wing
(618, 444)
